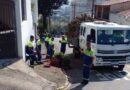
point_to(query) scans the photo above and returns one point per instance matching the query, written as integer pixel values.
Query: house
(18, 20)
(79, 7)
(122, 17)
(103, 8)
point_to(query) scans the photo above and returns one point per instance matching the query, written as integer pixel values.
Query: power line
(88, 5)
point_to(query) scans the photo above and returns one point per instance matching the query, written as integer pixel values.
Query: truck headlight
(99, 59)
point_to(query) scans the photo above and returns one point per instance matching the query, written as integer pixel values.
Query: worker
(87, 56)
(30, 50)
(51, 47)
(63, 44)
(47, 44)
(65, 37)
(38, 49)
(46, 40)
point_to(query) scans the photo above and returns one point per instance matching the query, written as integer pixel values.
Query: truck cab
(110, 42)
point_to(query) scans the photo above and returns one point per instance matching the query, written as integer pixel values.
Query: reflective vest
(87, 57)
(63, 41)
(47, 39)
(39, 42)
(89, 53)
(30, 44)
(66, 38)
(51, 42)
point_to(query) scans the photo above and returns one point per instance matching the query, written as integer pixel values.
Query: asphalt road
(100, 79)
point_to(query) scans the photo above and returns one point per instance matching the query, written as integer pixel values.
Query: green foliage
(40, 25)
(75, 24)
(45, 7)
(67, 59)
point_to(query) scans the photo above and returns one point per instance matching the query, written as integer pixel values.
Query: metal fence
(8, 44)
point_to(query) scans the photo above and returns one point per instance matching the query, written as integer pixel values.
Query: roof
(106, 25)
(125, 13)
(111, 2)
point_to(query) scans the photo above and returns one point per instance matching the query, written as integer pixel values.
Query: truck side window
(81, 30)
(93, 38)
(84, 31)
(88, 38)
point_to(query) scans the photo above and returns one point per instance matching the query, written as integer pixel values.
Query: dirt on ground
(53, 74)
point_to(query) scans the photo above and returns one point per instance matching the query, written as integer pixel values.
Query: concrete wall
(119, 19)
(18, 26)
(24, 28)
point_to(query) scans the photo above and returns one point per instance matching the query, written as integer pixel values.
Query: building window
(102, 12)
(23, 9)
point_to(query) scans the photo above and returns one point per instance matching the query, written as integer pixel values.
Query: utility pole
(76, 5)
(93, 6)
(74, 9)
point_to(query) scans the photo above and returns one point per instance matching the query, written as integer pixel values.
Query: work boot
(39, 63)
(32, 66)
(84, 82)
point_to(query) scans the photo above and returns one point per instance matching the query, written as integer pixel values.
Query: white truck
(110, 42)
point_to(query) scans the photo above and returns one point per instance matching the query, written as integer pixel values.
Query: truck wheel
(121, 67)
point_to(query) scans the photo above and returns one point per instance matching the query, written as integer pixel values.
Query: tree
(74, 25)
(46, 7)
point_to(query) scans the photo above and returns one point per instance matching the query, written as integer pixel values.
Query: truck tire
(121, 67)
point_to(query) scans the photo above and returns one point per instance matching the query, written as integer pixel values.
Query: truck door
(82, 37)
(93, 39)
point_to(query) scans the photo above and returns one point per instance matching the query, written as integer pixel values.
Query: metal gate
(8, 40)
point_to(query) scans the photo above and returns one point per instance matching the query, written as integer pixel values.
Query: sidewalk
(18, 76)
(53, 74)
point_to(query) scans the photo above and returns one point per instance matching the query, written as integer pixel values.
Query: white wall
(119, 19)
(24, 28)
(18, 26)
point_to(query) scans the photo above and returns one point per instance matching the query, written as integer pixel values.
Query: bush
(66, 60)
(61, 60)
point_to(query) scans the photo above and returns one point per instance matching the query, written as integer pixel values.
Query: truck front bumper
(111, 60)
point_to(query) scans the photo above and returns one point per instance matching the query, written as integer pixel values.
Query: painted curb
(65, 86)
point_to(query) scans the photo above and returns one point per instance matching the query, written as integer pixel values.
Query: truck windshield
(113, 36)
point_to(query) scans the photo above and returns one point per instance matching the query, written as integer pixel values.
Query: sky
(65, 11)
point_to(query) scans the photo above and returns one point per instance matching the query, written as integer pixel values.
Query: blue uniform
(87, 62)
(38, 48)
(47, 45)
(63, 46)
(50, 48)
(46, 41)
(30, 52)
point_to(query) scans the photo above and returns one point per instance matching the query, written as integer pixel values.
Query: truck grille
(113, 52)
(123, 51)
(106, 52)
(114, 58)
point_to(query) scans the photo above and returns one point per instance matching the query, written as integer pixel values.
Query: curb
(29, 71)
(65, 86)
